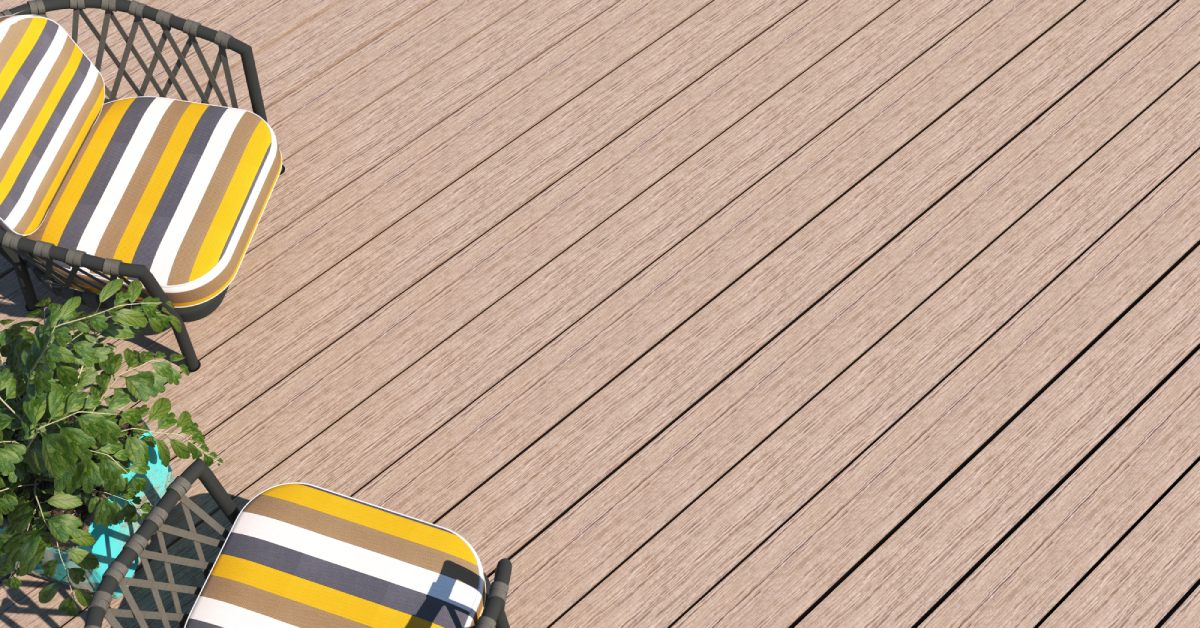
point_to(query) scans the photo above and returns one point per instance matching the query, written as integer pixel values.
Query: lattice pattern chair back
(171, 553)
(142, 51)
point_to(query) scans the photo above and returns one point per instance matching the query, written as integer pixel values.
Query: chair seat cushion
(300, 555)
(172, 185)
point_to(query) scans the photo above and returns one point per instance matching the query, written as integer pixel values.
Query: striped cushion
(50, 94)
(175, 186)
(299, 555)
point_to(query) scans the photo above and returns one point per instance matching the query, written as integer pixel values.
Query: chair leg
(26, 281)
(190, 359)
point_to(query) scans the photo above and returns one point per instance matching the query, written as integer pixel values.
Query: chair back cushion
(50, 95)
(302, 556)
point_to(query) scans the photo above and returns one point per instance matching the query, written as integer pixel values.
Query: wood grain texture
(1187, 610)
(542, 228)
(1148, 572)
(844, 417)
(1089, 515)
(712, 310)
(446, 202)
(641, 231)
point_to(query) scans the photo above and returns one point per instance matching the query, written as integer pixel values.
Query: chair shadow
(19, 608)
(433, 604)
(12, 305)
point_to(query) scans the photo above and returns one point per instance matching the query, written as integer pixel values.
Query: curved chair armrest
(168, 21)
(493, 611)
(117, 571)
(18, 247)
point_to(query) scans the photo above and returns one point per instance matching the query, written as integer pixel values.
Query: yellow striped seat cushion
(302, 556)
(50, 94)
(172, 185)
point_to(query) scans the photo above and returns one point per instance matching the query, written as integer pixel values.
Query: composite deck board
(1186, 611)
(694, 307)
(652, 224)
(730, 422)
(842, 419)
(993, 469)
(603, 186)
(1084, 520)
(1148, 572)
(609, 87)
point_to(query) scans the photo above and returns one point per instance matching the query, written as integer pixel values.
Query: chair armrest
(152, 528)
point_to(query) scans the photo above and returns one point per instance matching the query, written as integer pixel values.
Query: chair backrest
(50, 96)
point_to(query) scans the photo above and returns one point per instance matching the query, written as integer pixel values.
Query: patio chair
(136, 163)
(296, 554)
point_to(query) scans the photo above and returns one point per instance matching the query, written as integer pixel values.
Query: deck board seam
(1129, 530)
(983, 446)
(374, 167)
(416, 281)
(656, 258)
(1187, 596)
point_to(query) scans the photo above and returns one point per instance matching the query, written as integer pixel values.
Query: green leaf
(65, 501)
(110, 289)
(57, 400)
(143, 386)
(64, 527)
(48, 592)
(130, 318)
(10, 455)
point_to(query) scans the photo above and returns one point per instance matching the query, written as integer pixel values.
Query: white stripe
(41, 73)
(238, 229)
(118, 184)
(164, 257)
(354, 557)
(58, 143)
(221, 613)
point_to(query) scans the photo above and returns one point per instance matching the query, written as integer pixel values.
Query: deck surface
(735, 312)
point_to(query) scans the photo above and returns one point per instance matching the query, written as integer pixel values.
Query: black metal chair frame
(212, 83)
(176, 519)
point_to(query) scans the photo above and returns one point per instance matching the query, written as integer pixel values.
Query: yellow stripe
(66, 164)
(309, 593)
(39, 123)
(231, 204)
(375, 518)
(68, 197)
(20, 54)
(144, 211)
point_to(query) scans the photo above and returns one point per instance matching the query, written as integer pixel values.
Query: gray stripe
(99, 179)
(39, 148)
(173, 194)
(433, 606)
(196, 623)
(26, 72)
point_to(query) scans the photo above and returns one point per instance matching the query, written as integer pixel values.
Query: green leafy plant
(77, 415)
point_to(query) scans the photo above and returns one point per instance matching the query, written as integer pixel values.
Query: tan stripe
(221, 281)
(12, 39)
(298, 515)
(140, 180)
(39, 102)
(190, 247)
(54, 177)
(271, 605)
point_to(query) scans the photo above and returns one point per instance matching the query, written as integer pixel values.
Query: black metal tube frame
(137, 544)
(23, 251)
